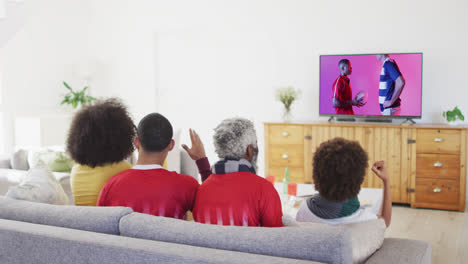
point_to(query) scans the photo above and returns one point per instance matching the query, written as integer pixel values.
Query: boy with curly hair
(339, 169)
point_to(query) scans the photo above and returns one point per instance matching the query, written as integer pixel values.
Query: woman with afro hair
(99, 140)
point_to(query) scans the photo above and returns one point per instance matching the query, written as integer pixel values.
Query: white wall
(200, 61)
(123, 46)
(47, 50)
(207, 60)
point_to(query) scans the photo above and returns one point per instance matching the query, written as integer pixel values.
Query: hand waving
(197, 151)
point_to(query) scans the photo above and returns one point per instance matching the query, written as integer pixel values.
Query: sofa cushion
(5, 161)
(96, 219)
(39, 185)
(57, 161)
(402, 251)
(366, 237)
(19, 160)
(317, 242)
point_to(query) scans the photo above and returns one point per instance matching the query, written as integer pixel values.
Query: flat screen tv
(379, 86)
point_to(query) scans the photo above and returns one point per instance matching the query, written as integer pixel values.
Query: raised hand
(380, 169)
(197, 151)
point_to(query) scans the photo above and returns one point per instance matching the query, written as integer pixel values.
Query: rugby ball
(362, 95)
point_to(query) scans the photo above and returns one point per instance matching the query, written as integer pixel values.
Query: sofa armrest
(5, 162)
(398, 250)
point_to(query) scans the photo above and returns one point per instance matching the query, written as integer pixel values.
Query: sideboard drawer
(295, 174)
(287, 156)
(437, 191)
(286, 135)
(438, 166)
(438, 141)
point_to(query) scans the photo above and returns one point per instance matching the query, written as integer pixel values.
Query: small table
(370, 197)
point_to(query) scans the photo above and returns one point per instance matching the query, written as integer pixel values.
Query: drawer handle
(285, 156)
(285, 134)
(438, 140)
(437, 190)
(438, 164)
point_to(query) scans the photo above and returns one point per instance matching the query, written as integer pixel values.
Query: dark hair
(101, 133)
(343, 61)
(154, 132)
(339, 169)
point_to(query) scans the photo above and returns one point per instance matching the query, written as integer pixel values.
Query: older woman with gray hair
(234, 194)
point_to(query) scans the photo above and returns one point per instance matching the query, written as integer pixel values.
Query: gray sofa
(42, 233)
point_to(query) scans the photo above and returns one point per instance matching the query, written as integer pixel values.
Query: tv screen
(372, 85)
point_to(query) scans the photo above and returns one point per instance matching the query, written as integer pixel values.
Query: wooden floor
(446, 231)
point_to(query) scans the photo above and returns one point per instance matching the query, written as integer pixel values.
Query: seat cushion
(317, 242)
(402, 251)
(96, 219)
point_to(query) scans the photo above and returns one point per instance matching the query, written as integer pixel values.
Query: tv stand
(410, 120)
(342, 119)
(378, 120)
(346, 119)
(426, 163)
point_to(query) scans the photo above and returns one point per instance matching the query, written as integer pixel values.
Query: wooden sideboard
(426, 163)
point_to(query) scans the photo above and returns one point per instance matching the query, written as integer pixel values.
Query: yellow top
(87, 182)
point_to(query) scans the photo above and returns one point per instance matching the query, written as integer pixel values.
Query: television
(371, 86)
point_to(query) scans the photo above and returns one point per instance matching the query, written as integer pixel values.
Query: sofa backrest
(330, 244)
(96, 219)
(31, 243)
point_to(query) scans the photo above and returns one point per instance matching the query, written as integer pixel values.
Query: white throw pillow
(39, 156)
(39, 185)
(19, 160)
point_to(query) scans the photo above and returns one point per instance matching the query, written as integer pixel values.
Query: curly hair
(339, 169)
(101, 133)
(233, 136)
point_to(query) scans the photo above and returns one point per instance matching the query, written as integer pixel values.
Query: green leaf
(67, 86)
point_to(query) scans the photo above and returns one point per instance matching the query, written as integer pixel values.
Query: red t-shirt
(154, 191)
(240, 199)
(342, 91)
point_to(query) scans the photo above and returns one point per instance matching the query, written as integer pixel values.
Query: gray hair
(233, 136)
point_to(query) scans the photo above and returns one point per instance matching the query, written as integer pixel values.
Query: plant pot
(456, 123)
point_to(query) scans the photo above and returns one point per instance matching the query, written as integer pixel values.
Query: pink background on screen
(366, 76)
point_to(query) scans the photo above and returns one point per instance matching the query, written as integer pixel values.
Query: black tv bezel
(371, 116)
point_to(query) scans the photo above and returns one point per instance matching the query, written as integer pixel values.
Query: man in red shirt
(148, 187)
(234, 194)
(342, 93)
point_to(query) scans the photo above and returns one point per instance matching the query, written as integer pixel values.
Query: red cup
(292, 189)
(271, 179)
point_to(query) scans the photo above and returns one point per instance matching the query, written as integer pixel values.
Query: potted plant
(454, 117)
(75, 98)
(287, 96)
